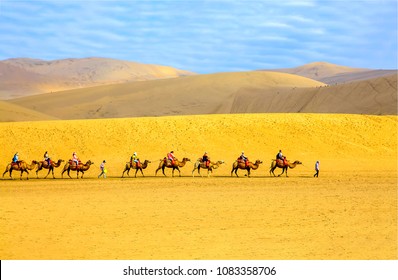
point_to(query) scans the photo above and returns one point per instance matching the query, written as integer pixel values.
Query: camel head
(186, 159)
(35, 162)
(220, 162)
(89, 162)
(258, 161)
(298, 162)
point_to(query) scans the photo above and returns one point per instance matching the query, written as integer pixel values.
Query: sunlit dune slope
(24, 76)
(15, 113)
(338, 141)
(199, 94)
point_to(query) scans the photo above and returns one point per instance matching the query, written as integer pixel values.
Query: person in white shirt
(103, 170)
(316, 168)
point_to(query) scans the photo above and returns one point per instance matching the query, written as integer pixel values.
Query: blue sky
(204, 36)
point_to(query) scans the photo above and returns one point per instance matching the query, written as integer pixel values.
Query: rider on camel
(75, 158)
(281, 157)
(47, 158)
(15, 160)
(135, 158)
(206, 159)
(171, 157)
(243, 158)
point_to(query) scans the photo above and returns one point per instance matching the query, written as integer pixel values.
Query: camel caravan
(168, 162)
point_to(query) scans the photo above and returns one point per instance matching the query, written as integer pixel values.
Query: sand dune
(376, 96)
(200, 94)
(305, 137)
(241, 92)
(335, 74)
(14, 113)
(349, 212)
(24, 76)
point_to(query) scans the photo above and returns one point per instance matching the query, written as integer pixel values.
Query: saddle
(15, 163)
(282, 162)
(246, 163)
(169, 162)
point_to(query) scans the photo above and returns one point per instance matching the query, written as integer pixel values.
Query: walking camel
(241, 165)
(279, 163)
(79, 168)
(23, 167)
(134, 165)
(44, 164)
(177, 164)
(199, 164)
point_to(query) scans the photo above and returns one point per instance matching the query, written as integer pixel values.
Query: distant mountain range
(105, 88)
(25, 76)
(332, 74)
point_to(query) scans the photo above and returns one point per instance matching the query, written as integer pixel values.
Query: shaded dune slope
(335, 74)
(243, 92)
(200, 94)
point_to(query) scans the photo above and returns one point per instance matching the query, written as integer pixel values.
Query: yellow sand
(349, 212)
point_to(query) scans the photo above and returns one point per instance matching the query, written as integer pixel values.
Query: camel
(44, 164)
(133, 165)
(199, 164)
(177, 164)
(279, 163)
(23, 167)
(241, 165)
(79, 168)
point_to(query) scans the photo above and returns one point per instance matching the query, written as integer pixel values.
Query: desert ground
(349, 212)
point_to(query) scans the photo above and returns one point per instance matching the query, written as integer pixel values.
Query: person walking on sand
(316, 168)
(103, 170)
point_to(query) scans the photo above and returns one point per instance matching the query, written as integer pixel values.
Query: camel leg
(82, 174)
(37, 173)
(179, 171)
(199, 171)
(283, 171)
(49, 170)
(193, 172)
(5, 172)
(248, 172)
(142, 172)
(232, 171)
(160, 167)
(163, 171)
(271, 171)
